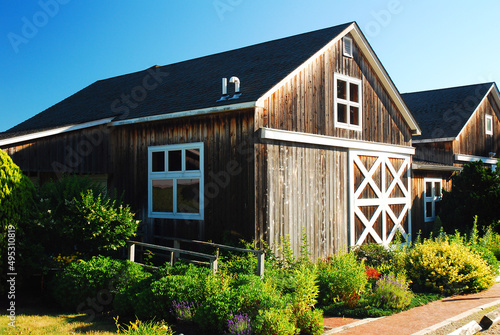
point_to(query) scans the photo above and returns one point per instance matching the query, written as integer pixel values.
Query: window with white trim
(175, 181)
(488, 124)
(347, 102)
(432, 198)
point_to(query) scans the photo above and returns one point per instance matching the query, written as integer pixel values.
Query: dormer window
(488, 124)
(348, 102)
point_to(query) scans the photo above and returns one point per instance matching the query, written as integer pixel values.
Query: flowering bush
(390, 292)
(239, 324)
(183, 311)
(447, 266)
(372, 273)
(144, 328)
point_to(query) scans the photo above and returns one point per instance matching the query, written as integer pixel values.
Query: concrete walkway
(424, 319)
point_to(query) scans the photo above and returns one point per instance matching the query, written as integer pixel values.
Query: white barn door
(380, 197)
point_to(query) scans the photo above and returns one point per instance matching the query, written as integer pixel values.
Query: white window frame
(346, 51)
(433, 198)
(486, 119)
(348, 103)
(175, 175)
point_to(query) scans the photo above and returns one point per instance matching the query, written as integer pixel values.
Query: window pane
(193, 159)
(341, 113)
(354, 116)
(163, 195)
(354, 92)
(188, 195)
(428, 189)
(488, 124)
(158, 161)
(438, 189)
(341, 89)
(428, 209)
(175, 160)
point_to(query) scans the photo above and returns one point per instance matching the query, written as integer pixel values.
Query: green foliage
(391, 293)
(475, 191)
(275, 322)
(491, 240)
(75, 212)
(373, 254)
(16, 203)
(341, 278)
(309, 321)
(97, 279)
(144, 328)
(448, 266)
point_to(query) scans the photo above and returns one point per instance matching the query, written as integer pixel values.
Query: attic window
(347, 46)
(488, 124)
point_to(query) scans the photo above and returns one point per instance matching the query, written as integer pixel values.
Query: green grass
(38, 320)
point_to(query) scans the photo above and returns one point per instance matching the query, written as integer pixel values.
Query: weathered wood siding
(306, 192)
(418, 192)
(436, 152)
(227, 138)
(306, 185)
(473, 139)
(305, 102)
(82, 152)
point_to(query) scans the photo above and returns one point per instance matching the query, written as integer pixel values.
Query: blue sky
(50, 49)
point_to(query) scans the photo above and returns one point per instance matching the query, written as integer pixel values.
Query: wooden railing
(176, 251)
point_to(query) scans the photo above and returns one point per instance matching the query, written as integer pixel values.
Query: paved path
(418, 320)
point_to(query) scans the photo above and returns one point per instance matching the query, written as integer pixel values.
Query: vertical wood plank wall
(306, 185)
(307, 191)
(473, 139)
(228, 139)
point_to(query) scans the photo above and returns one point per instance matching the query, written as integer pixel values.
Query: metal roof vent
(347, 46)
(237, 93)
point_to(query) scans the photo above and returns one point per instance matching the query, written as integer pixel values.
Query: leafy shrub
(447, 266)
(75, 212)
(97, 279)
(491, 240)
(373, 254)
(475, 191)
(487, 256)
(389, 292)
(275, 322)
(341, 278)
(309, 321)
(16, 203)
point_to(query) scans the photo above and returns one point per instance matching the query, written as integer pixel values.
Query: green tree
(16, 200)
(475, 191)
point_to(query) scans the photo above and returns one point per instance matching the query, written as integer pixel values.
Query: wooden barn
(302, 133)
(459, 125)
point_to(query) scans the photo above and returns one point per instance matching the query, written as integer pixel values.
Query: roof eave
(434, 167)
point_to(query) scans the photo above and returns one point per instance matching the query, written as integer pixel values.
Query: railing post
(215, 265)
(172, 258)
(131, 251)
(177, 245)
(260, 264)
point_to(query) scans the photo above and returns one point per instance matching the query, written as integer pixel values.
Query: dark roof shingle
(183, 86)
(442, 113)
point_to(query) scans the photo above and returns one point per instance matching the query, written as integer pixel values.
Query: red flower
(372, 273)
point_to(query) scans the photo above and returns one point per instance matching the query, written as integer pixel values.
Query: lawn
(37, 321)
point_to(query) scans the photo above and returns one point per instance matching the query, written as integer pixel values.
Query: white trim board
(193, 112)
(470, 158)
(432, 140)
(55, 131)
(330, 141)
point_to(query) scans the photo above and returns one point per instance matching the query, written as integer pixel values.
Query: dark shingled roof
(442, 113)
(183, 86)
